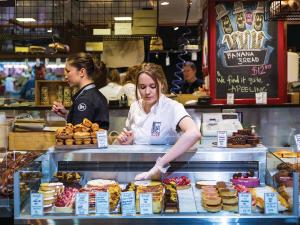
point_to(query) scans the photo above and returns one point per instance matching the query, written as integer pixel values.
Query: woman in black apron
(88, 102)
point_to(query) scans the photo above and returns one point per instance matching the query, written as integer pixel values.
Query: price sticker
(222, 139)
(146, 204)
(102, 139)
(230, 98)
(271, 203)
(82, 204)
(102, 202)
(245, 203)
(36, 204)
(128, 203)
(264, 97)
(258, 98)
(194, 56)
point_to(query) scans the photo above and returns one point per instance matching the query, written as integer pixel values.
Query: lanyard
(89, 86)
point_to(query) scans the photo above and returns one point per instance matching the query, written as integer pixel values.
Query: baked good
(213, 208)
(87, 141)
(285, 153)
(200, 184)
(49, 200)
(48, 208)
(94, 140)
(81, 135)
(59, 142)
(100, 183)
(77, 128)
(181, 182)
(78, 141)
(65, 201)
(226, 192)
(230, 207)
(48, 194)
(85, 129)
(211, 200)
(221, 184)
(230, 200)
(86, 122)
(69, 141)
(171, 199)
(94, 134)
(47, 187)
(95, 127)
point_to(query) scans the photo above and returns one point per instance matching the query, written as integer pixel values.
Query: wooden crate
(52, 90)
(30, 141)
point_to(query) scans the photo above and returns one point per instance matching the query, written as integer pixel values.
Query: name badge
(102, 203)
(155, 131)
(82, 204)
(271, 203)
(146, 204)
(128, 203)
(36, 204)
(222, 139)
(245, 203)
(102, 139)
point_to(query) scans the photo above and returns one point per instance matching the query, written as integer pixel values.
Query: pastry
(85, 129)
(94, 134)
(94, 140)
(81, 135)
(221, 184)
(231, 207)
(230, 200)
(95, 127)
(48, 208)
(86, 122)
(87, 141)
(48, 201)
(211, 200)
(47, 194)
(285, 153)
(200, 184)
(171, 199)
(77, 128)
(181, 182)
(59, 142)
(78, 142)
(226, 192)
(212, 208)
(69, 141)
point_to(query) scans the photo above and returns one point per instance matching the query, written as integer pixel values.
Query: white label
(128, 203)
(194, 56)
(146, 204)
(264, 97)
(37, 62)
(258, 98)
(297, 140)
(167, 61)
(222, 139)
(230, 98)
(245, 201)
(102, 139)
(58, 61)
(46, 61)
(102, 203)
(82, 204)
(36, 204)
(271, 203)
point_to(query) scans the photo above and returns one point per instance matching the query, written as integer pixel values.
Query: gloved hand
(154, 172)
(125, 137)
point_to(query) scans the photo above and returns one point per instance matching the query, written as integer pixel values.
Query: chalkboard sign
(246, 51)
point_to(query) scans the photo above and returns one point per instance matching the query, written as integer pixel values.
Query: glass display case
(190, 176)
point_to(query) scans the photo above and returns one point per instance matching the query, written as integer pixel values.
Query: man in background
(27, 91)
(191, 82)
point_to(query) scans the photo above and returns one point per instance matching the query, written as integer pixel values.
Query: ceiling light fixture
(165, 3)
(123, 18)
(176, 28)
(25, 19)
(49, 30)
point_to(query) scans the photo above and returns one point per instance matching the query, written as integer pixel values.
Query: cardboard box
(145, 22)
(31, 141)
(143, 30)
(144, 13)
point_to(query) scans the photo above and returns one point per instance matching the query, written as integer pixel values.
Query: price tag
(271, 203)
(230, 98)
(36, 204)
(46, 61)
(258, 98)
(58, 61)
(128, 203)
(146, 204)
(194, 56)
(102, 139)
(245, 203)
(82, 204)
(102, 203)
(297, 140)
(264, 97)
(222, 139)
(167, 61)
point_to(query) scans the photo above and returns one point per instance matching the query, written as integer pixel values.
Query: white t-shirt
(111, 91)
(129, 90)
(159, 126)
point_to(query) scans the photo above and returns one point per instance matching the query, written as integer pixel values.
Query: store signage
(230, 98)
(297, 140)
(102, 139)
(128, 203)
(82, 204)
(36, 204)
(146, 204)
(245, 203)
(271, 203)
(102, 203)
(222, 139)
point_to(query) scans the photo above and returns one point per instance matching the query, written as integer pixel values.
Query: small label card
(82, 204)
(258, 98)
(146, 204)
(102, 203)
(36, 204)
(297, 140)
(102, 139)
(271, 203)
(128, 203)
(230, 98)
(222, 139)
(245, 203)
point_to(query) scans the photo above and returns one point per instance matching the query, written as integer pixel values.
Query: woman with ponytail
(88, 102)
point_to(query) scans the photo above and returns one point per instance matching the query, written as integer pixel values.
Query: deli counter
(198, 170)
